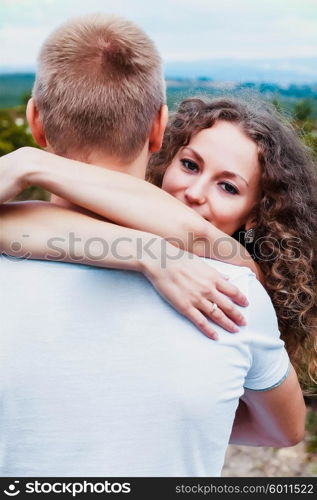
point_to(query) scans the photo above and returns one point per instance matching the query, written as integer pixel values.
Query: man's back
(101, 377)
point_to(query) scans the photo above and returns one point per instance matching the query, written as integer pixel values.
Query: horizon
(299, 71)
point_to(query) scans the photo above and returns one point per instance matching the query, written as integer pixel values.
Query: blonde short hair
(99, 85)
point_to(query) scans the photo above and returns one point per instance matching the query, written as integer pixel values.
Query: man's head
(99, 87)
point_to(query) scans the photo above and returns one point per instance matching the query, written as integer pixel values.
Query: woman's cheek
(166, 185)
(170, 180)
(175, 183)
(226, 213)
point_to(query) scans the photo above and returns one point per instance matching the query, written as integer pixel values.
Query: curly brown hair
(286, 215)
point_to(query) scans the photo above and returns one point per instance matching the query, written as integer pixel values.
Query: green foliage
(310, 140)
(25, 98)
(14, 134)
(14, 131)
(303, 110)
(277, 104)
(33, 193)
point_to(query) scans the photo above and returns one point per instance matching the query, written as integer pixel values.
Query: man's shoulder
(26, 266)
(23, 269)
(229, 270)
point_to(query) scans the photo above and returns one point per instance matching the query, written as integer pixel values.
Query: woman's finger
(233, 292)
(202, 323)
(217, 315)
(228, 308)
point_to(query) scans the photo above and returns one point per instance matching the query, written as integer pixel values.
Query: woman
(283, 237)
(267, 197)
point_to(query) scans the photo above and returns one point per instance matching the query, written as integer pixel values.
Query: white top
(99, 376)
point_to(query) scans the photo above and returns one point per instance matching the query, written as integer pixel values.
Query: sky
(184, 30)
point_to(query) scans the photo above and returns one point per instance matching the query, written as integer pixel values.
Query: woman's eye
(190, 165)
(229, 188)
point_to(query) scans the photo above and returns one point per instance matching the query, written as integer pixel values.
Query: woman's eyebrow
(227, 173)
(195, 154)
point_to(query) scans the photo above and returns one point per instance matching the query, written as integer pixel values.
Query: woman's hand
(13, 169)
(193, 287)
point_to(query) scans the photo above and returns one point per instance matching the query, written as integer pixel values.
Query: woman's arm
(121, 198)
(183, 279)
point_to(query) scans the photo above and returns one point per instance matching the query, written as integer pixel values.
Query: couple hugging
(152, 367)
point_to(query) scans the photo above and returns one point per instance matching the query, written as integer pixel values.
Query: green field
(14, 89)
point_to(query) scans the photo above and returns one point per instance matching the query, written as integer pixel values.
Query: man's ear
(158, 128)
(36, 126)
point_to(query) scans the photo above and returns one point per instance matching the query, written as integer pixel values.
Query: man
(99, 376)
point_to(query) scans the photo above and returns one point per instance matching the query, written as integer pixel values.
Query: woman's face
(218, 175)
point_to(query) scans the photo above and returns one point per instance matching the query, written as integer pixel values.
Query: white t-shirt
(99, 376)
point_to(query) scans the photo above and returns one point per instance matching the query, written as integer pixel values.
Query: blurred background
(265, 47)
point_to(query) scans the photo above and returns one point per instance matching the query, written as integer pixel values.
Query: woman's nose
(195, 194)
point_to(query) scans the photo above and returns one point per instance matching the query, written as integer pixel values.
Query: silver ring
(214, 307)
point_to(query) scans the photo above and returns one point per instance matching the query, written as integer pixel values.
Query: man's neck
(135, 168)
